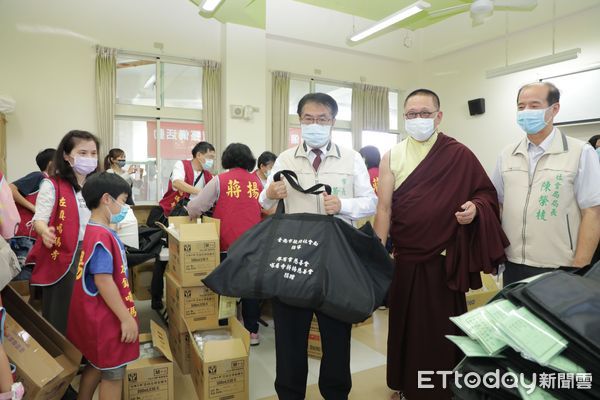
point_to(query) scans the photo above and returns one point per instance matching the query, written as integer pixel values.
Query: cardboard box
(151, 378)
(180, 345)
(477, 298)
(46, 361)
(198, 306)
(193, 250)
(315, 349)
(141, 279)
(221, 370)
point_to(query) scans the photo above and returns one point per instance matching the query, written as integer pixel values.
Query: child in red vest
(102, 321)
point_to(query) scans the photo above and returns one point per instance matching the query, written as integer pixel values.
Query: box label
(226, 378)
(148, 384)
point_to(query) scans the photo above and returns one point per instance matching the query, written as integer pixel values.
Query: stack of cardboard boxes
(191, 307)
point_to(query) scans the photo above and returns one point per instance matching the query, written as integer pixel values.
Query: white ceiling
(299, 22)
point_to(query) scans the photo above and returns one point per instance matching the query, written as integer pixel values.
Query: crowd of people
(430, 197)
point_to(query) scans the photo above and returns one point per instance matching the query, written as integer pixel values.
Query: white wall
(244, 78)
(47, 66)
(460, 76)
(47, 62)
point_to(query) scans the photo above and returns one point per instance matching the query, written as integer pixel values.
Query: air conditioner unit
(236, 111)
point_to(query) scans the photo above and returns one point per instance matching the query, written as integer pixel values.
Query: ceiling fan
(480, 10)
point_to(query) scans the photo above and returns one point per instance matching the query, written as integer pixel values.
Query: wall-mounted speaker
(477, 106)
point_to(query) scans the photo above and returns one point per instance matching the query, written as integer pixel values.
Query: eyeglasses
(422, 114)
(306, 120)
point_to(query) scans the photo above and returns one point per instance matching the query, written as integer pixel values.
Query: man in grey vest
(317, 160)
(549, 188)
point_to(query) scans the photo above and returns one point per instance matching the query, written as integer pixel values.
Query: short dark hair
(266, 158)
(371, 155)
(60, 167)
(238, 155)
(113, 153)
(424, 92)
(44, 157)
(103, 182)
(202, 148)
(593, 140)
(553, 92)
(319, 98)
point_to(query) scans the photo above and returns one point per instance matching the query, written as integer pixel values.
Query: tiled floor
(367, 362)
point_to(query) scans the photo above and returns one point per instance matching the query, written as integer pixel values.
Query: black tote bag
(307, 260)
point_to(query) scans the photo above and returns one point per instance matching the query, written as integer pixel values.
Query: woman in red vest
(372, 159)
(103, 322)
(235, 196)
(60, 219)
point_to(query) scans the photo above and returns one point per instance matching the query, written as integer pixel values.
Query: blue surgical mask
(121, 163)
(598, 152)
(117, 218)
(208, 164)
(316, 135)
(532, 121)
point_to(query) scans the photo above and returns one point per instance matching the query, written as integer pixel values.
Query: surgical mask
(85, 165)
(121, 163)
(268, 173)
(116, 218)
(316, 135)
(598, 152)
(532, 121)
(419, 129)
(208, 164)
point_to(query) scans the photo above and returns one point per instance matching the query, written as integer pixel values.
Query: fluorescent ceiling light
(209, 5)
(534, 63)
(391, 20)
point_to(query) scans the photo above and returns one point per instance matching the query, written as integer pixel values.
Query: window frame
(159, 112)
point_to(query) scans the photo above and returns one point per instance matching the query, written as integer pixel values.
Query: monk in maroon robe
(441, 210)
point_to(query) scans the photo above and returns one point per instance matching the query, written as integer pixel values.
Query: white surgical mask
(316, 135)
(419, 129)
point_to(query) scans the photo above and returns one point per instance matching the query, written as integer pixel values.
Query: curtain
(280, 111)
(211, 106)
(370, 110)
(106, 87)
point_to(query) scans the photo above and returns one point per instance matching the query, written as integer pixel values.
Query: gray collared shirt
(587, 180)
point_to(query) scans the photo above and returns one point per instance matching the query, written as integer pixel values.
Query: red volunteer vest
(52, 264)
(237, 206)
(92, 326)
(172, 196)
(374, 177)
(26, 216)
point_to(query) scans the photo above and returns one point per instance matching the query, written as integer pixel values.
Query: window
(382, 140)
(341, 134)
(158, 118)
(342, 96)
